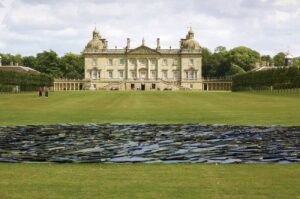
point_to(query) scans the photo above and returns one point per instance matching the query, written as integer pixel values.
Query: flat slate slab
(150, 143)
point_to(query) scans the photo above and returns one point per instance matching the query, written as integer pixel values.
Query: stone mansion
(143, 68)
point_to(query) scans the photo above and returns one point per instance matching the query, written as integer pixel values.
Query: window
(175, 62)
(121, 61)
(153, 74)
(142, 62)
(176, 75)
(191, 74)
(153, 86)
(165, 62)
(94, 62)
(110, 74)
(191, 62)
(191, 85)
(121, 74)
(165, 74)
(132, 86)
(133, 74)
(110, 62)
(94, 74)
(99, 75)
(153, 62)
(132, 62)
(143, 74)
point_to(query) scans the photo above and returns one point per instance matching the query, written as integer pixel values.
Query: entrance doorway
(143, 87)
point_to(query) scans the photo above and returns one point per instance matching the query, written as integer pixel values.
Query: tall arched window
(94, 74)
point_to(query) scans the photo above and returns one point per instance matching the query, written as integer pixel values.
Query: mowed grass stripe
(149, 181)
(150, 107)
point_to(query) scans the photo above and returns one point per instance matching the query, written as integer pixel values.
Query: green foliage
(72, 66)
(279, 59)
(244, 57)
(278, 78)
(296, 62)
(235, 69)
(48, 62)
(68, 66)
(215, 64)
(26, 81)
(223, 62)
(267, 58)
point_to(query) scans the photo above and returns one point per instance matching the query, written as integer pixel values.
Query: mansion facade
(143, 68)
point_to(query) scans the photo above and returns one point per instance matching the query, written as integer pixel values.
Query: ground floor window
(165, 74)
(94, 74)
(176, 75)
(153, 86)
(191, 74)
(133, 74)
(132, 86)
(121, 74)
(110, 74)
(153, 74)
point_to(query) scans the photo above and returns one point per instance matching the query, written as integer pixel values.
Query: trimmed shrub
(280, 78)
(25, 81)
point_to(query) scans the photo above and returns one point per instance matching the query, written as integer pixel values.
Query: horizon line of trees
(70, 65)
(220, 63)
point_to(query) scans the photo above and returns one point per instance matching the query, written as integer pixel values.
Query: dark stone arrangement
(149, 143)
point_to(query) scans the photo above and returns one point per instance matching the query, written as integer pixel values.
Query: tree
(244, 57)
(296, 62)
(279, 59)
(234, 70)
(72, 66)
(220, 49)
(29, 61)
(207, 68)
(48, 62)
(267, 59)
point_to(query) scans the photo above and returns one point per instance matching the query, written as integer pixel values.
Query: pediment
(143, 50)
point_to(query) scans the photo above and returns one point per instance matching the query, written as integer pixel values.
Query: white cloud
(30, 26)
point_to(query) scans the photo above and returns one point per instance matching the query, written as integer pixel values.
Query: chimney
(128, 43)
(157, 43)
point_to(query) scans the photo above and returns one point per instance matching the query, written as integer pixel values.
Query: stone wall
(149, 143)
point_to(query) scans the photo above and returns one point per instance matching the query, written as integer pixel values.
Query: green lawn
(150, 107)
(150, 181)
(155, 180)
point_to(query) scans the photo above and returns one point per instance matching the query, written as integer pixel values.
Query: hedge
(9, 80)
(274, 78)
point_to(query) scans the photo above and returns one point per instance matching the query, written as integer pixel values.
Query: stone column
(126, 68)
(136, 69)
(148, 62)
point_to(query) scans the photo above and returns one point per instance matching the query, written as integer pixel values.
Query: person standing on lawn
(46, 91)
(40, 90)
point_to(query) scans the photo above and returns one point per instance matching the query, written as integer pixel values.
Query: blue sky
(31, 26)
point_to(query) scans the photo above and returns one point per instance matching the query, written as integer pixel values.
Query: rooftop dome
(96, 43)
(189, 42)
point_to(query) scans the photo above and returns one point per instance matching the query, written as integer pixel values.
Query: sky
(28, 27)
